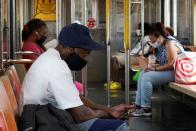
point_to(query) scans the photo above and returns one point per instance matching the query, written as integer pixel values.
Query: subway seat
(8, 122)
(10, 102)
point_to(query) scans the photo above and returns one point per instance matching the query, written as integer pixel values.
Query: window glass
(184, 20)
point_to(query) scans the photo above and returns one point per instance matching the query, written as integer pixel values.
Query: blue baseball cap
(78, 36)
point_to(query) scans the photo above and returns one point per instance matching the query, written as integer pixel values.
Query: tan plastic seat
(6, 109)
(3, 124)
(15, 82)
(6, 82)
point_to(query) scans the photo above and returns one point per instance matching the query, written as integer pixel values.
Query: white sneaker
(142, 112)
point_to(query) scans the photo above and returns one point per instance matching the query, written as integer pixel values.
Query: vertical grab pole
(142, 25)
(175, 17)
(58, 17)
(7, 24)
(127, 44)
(84, 80)
(108, 37)
(25, 12)
(1, 33)
(12, 28)
(84, 70)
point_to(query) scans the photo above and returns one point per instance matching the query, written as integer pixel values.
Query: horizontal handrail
(136, 2)
(20, 61)
(23, 53)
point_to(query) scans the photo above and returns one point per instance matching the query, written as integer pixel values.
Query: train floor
(168, 114)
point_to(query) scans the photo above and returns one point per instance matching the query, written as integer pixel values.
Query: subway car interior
(113, 75)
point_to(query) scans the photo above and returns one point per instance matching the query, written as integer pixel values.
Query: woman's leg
(151, 78)
(138, 92)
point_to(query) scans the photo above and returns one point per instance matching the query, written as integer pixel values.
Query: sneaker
(106, 84)
(142, 112)
(135, 106)
(113, 85)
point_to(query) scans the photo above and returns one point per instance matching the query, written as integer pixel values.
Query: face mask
(138, 32)
(41, 40)
(156, 45)
(75, 62)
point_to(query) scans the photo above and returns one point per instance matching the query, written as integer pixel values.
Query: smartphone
(126, 114)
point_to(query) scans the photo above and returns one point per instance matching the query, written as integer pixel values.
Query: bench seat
(189, 90)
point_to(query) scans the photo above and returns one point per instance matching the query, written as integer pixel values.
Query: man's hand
(119, 110)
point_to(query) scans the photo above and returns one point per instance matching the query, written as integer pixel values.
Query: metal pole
(8, 29)
(84, 70)
(25, 12)
(175, 17)
(127, 44)
(84, 12)
(6, 33)
(127, 77)
(1, 33)
(84, 80)
(108, 37)
(58, 17)
(167, 13)
(142, 25)
(12, 28)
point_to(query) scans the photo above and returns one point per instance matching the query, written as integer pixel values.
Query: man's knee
(123, 127)
(109, 125)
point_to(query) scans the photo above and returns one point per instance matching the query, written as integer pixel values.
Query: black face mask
(75, 62)
(41, 40)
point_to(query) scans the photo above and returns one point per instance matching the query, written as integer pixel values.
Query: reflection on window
(45, 10)
(135, 15)
(78, 10)
(89, 4)
(184, 21)
(82, 11)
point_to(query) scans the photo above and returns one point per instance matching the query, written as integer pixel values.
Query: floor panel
(168, 114)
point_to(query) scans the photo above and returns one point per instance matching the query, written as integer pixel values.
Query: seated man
(49, 80)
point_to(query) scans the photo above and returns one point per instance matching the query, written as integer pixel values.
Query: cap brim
(96, 46)
(93, 45)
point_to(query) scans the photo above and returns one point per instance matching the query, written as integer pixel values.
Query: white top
(138, 48)
(49, 80)
(51, 44)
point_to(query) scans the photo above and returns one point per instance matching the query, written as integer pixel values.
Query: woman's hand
(150, 68)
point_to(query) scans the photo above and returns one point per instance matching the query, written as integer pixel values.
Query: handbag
(185, 68)
(136, 76)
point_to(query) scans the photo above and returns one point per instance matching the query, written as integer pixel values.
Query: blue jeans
(103, 125)
(146, 82)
